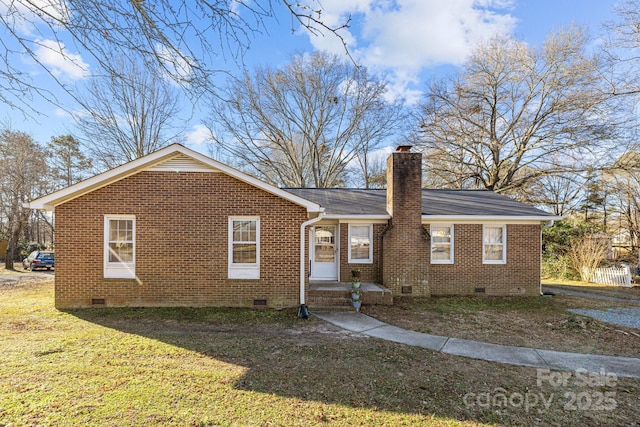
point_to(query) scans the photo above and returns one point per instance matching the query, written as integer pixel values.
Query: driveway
(8, 277)
(619, 313)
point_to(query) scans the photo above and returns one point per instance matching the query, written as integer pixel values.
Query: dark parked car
(38, 259)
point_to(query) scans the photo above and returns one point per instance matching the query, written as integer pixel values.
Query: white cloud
(176, 67)
(404, 37)
(198, 135)
(23, 15)
(59, 112)
(59, 61)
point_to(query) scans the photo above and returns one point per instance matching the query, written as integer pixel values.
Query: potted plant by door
(355, 299)
(355, 277)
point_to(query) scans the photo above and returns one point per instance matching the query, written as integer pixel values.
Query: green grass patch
(235, 367)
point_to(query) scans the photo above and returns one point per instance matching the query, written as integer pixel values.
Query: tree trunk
(14, 237)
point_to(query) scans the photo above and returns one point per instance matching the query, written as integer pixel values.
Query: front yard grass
(225, 367)
(538, 322)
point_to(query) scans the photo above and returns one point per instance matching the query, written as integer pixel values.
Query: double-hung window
(360, 247)
(244, 247)
(120, 246)
(494, 244)
(441, 244)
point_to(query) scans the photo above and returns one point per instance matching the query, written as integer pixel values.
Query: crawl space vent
(98, 301)
(479, 290)
(407, 289)
(259, 302)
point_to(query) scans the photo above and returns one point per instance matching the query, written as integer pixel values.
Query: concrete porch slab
(345, 286)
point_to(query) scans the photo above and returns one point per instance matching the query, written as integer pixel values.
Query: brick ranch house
(177, 228)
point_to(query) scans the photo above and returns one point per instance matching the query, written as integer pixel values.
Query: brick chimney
(405, 244)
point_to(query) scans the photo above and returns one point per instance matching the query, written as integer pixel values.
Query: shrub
(559, 268)
(586, 255)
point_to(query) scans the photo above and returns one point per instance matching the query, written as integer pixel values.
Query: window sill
(244, 273)
(119, 272)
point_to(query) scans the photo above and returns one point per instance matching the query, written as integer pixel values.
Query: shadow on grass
(313, 361)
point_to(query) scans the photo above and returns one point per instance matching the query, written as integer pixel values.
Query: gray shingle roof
(349, 201)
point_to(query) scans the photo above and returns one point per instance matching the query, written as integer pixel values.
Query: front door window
(325, 244)
(324, 264)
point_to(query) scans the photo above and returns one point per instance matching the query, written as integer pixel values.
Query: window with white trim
(441, 244)
(120, 246)
(494, 244)
(244, 247)
(360, 247)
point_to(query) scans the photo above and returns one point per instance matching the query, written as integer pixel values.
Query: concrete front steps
(336, 296)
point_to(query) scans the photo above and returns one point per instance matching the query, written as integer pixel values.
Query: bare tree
(373, 169)
(621, 44)
(513, 112)
(128, 115)
(23, 167)
(301, 125)
(625, 179)
(559, 193)
(183, 40)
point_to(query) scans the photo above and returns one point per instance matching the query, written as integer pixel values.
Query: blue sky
(407, 41)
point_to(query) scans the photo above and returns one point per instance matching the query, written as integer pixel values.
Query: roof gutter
(549, 225)
(544, 227)
(478, 218)
(303, 312)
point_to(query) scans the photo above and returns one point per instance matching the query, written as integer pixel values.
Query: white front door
(324, 253)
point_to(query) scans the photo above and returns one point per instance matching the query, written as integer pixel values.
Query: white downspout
(544, 227)
(303, 309)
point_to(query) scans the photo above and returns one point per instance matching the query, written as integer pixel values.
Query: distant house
(177, 228)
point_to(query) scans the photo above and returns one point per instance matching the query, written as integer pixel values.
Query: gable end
(182, 163)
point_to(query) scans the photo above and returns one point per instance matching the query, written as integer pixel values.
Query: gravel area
(629, 317)
(592, 295)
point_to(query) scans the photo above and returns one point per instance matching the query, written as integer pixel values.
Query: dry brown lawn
(539, 322)
(233, 367)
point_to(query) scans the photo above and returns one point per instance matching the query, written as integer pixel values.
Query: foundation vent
(98, 301)
(259, 302)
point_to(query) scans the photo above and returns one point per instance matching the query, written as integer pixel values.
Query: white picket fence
(620, 276)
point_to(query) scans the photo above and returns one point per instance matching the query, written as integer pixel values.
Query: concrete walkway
(521, 356)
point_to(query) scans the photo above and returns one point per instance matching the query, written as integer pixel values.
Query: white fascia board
(461, 219)
(50, 201)
(358, 218)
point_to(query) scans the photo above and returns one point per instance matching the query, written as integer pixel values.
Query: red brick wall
(181, 243)
(368, 272)
(519, 276)
(405, 243)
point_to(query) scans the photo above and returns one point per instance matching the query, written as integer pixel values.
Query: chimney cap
(404, 148)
